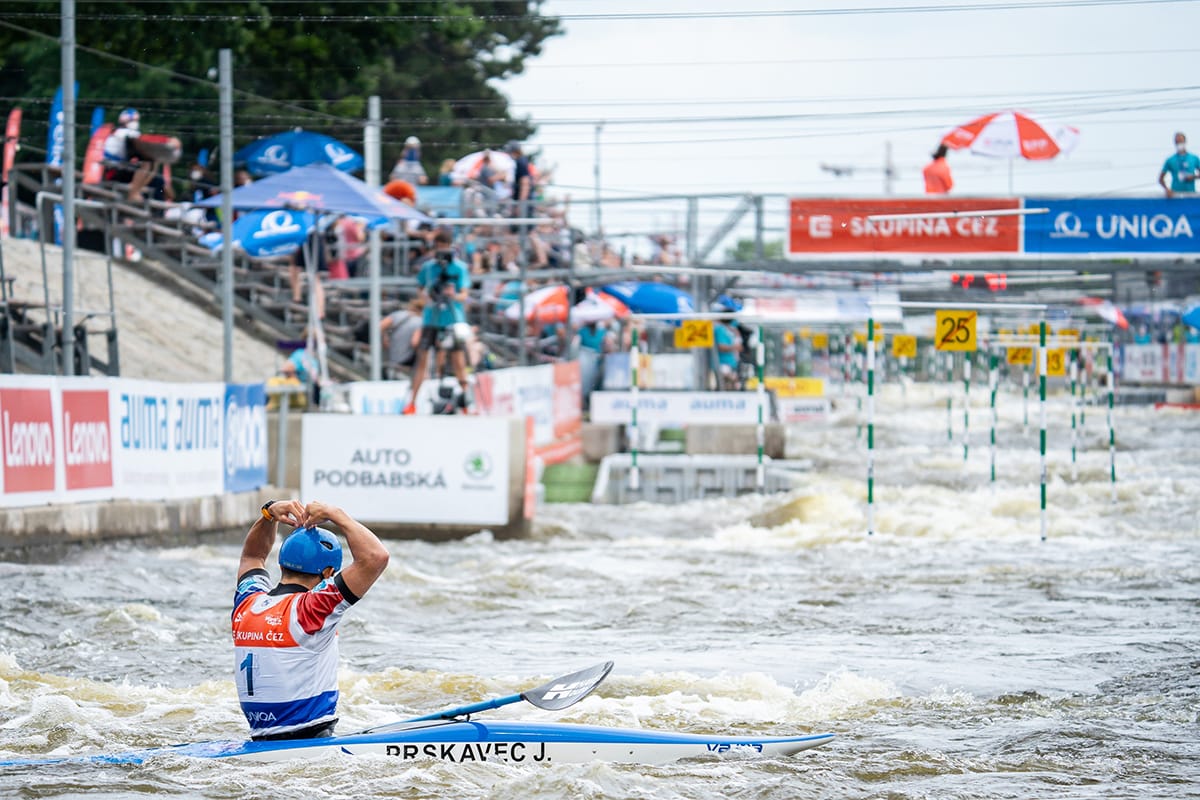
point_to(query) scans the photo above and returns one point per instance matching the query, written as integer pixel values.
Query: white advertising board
(452, 470)
(168, 439)
(1143, 363)
(802, 409)
(677, 408)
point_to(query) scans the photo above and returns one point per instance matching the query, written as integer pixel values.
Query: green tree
(743, 252)
(295, 64)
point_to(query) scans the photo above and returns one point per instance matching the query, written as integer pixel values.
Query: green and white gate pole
(1042, 366)
(634, 477)
(993, 385)
(966, 403)
(870, 426)
(1112, 438)
(1025, 383)
(949, 400)
(760, 475)
(1088, 357)
(1074, 414)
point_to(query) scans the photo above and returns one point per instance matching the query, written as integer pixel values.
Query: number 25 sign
(956, 331)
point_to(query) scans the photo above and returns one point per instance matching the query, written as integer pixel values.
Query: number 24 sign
(956, 331)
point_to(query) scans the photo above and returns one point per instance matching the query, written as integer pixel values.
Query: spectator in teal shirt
(728, 345)
(1183, 167)
(444, 281)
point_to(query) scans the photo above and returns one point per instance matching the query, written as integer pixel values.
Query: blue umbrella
(319, 188)
(282, 151)
(651, 298)
(267, 232)
(1192, 316)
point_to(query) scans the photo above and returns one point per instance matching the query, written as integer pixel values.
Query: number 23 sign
(956, 331)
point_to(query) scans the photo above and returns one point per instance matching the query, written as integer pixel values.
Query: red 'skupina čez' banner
(840, 227)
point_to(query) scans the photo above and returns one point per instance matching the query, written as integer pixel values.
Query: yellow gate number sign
(820, 341)
(956, 331)
(694, 333)
(904, 346)
(1056, 363)
(1022, 356)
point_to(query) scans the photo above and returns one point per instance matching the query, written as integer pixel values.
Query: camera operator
(443, 281)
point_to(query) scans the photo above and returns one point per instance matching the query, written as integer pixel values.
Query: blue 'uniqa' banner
(1115, 225)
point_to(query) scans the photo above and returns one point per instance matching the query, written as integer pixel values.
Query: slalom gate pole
(966, 404)
(1025, 382)
(993, 385)
(870, 426)
(760, 474)
(1085, 377)
(1042, 359)
(1112, 438)
(949, 400)
(949, 420)
(634, 477)
(1074, 414)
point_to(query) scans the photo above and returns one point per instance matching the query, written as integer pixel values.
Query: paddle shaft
(473, 708)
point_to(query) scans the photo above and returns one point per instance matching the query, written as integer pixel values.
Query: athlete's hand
(290, 512)
(316, 513)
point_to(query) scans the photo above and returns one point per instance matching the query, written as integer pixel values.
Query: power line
(637, 16)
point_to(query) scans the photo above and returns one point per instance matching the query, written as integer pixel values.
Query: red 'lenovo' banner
(27, 423)
(87, 439)
(839, 226)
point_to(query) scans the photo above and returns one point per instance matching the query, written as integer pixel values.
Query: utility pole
(888, 169)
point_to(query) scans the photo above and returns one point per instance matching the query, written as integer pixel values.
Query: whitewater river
(954, 654)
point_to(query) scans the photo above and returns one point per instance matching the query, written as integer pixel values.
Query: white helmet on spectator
(128, 115)
(412, 141)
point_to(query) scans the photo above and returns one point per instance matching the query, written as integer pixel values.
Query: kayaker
(285, 637)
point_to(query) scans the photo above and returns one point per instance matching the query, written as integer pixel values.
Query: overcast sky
(755, 100)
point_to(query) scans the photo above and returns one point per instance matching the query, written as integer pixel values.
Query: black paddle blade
(569, 689)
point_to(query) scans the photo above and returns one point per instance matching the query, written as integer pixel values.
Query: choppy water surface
(953, 653)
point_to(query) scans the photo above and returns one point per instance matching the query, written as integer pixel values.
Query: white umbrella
(467, 167)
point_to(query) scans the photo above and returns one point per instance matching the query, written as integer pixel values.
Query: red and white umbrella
(1106, 311)
(467, 167)
(549, 304)
(1012, 134)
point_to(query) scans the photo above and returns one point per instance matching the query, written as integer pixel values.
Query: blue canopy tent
(321, 189)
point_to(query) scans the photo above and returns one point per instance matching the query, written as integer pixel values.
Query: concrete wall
(38, 533)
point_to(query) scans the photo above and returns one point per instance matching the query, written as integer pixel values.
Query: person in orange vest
(937, 173)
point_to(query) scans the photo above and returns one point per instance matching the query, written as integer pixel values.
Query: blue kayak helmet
(310, 551)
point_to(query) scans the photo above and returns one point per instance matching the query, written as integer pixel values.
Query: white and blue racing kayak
(451, 736)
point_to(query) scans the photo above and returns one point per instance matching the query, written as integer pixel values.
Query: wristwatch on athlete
(266, 510)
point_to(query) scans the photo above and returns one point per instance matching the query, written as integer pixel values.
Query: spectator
(1183, 167)
(403, 331)
(522, 186)
(409, 168)
(444, 282)
(242, 178)
(318, 245)
(402, 190)
(350, 237)
(287, 377)
(446, 173)
(486, 174)
(937, 173)
(120, 148)
(729, 346)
